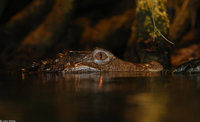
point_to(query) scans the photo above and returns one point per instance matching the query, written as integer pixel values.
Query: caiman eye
(100, 56)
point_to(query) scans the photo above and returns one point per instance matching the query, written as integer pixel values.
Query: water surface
(99, 97)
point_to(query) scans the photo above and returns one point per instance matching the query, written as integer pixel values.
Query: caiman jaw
(80, 68)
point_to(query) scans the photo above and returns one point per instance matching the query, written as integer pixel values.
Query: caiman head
(97, 60)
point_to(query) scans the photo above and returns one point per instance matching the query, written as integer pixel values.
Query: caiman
(102, 60)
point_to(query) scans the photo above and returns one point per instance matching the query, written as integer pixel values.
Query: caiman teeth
(84, 68)
(80, 68)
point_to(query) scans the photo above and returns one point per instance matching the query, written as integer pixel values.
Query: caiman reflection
(99, 96)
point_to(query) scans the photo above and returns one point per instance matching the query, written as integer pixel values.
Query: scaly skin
(97, 60)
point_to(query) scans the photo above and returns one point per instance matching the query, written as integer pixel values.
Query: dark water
(99, 97)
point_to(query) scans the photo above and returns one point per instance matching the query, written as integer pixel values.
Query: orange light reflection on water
(100, 82)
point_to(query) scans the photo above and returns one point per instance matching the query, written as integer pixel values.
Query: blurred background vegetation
(31, 30)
